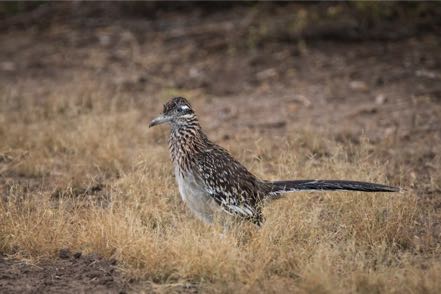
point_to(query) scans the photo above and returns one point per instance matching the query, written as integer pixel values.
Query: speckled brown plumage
(211, 180)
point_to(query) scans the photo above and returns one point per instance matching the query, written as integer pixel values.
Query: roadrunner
(210, 180)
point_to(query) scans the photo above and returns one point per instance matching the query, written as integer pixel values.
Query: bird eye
(183, 108)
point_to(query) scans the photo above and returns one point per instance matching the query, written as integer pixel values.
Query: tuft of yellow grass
(91, 178)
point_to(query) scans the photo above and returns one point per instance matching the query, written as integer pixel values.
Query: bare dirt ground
(248, 76)
(71, 273)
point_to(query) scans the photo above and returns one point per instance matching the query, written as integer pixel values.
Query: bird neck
(186, 140)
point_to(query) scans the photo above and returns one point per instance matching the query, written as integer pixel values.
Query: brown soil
(69, 273)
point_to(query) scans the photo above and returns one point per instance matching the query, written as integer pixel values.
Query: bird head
(177, 111)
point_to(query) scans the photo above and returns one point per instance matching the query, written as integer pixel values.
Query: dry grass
(80, 170)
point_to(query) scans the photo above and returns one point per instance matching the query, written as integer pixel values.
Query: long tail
(278, 187)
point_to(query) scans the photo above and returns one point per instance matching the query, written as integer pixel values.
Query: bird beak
(159, 120)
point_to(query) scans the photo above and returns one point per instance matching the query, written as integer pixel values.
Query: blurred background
(313, 55)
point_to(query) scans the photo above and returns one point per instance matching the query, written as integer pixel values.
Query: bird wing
(230, 184)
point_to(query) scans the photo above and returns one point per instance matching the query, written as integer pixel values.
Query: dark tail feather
(301, 185)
